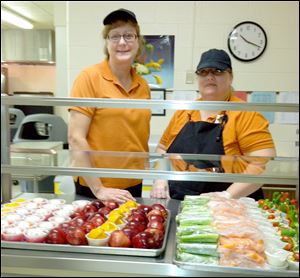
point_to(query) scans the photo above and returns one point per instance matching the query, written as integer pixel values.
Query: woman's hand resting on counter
(160, 189)
(118, 195)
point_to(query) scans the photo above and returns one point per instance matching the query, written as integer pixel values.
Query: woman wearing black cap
(111, 129)
(235, 133)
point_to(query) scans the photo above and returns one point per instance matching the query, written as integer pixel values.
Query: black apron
(201, 138)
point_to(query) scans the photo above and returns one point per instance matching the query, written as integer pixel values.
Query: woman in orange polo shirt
(215, 132)
(111, 129)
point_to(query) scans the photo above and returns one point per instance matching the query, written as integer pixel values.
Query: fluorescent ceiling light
(15, 19)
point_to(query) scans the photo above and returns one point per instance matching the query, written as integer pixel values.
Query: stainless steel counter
(50, 263)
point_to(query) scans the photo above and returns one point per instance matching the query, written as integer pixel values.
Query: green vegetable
(276, 197)
(288, 232)
(193, 258)
(195, 221)
(199, 238)
(187, 230)
(199, 248)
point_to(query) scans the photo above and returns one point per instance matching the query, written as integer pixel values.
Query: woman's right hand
(117, 195)
(160, 189)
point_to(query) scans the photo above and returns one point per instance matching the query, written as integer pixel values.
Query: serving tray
(92, 249)
(268, 271)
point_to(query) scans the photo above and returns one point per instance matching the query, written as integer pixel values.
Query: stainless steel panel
(235, 270)
(161, 104)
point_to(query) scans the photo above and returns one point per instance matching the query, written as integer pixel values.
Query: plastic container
(64, 187)
(277, 258)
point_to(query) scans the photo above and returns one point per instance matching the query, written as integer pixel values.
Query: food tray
(268, 271)
(235, 270)
(92, 249)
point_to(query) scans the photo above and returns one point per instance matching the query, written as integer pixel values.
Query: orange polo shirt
(243, 133)
(114, 129)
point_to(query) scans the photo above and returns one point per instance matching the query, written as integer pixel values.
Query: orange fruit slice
(116, 212)
(97, 234)
(19, 200)
(124, 209)
(109, 226)
(11, 205)
(114, 218)
(131, 204)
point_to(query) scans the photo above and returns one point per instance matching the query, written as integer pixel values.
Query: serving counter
(27, 262)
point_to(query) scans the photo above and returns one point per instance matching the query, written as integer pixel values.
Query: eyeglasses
(215, 72)
(128, 37)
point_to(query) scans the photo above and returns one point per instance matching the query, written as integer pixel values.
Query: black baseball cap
(214, 58)
(120, 14)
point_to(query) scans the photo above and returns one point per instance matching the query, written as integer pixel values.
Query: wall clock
(247, 41)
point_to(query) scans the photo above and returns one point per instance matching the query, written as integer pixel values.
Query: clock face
(247, 41)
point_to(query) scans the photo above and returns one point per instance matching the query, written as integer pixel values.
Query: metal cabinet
(27, 45)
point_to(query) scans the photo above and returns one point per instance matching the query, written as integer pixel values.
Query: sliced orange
(114, 218)
(19, 200)
(97, 234)
(109, 226)
(116, 212)
(124, 209)
(120, 222)
(11, 205)
(131, 204)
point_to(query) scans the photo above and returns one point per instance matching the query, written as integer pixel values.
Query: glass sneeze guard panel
(185, 167)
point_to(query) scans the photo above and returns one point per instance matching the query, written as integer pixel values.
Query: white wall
(197, 26)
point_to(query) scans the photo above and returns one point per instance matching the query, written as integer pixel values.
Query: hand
(250, 42)
(117, 195)
(160, 189)
(222, 194)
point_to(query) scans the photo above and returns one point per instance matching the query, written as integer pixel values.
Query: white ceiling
(39, 13)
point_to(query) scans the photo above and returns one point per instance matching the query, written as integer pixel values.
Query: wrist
(96, 189)
(227, 195)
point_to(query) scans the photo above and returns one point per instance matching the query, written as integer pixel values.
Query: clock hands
(249, 42)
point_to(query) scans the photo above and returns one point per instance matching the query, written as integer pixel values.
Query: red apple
(139, 226)
(137, 218)
(137, 211)
(76, 236)
(56, 236)
(158, 235)
(78, 212)
(130, 231)
(97, 220)
(155, 212)
(98, 204)
(104, 211)
(77, 222)
(88, 226)
(143, 240)
(119, 239)
(156, 217)
(64, 226)
(161, 208)
(89, 209)
(111, 204)
(95, 214)
(155, 224)
(145, 208)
